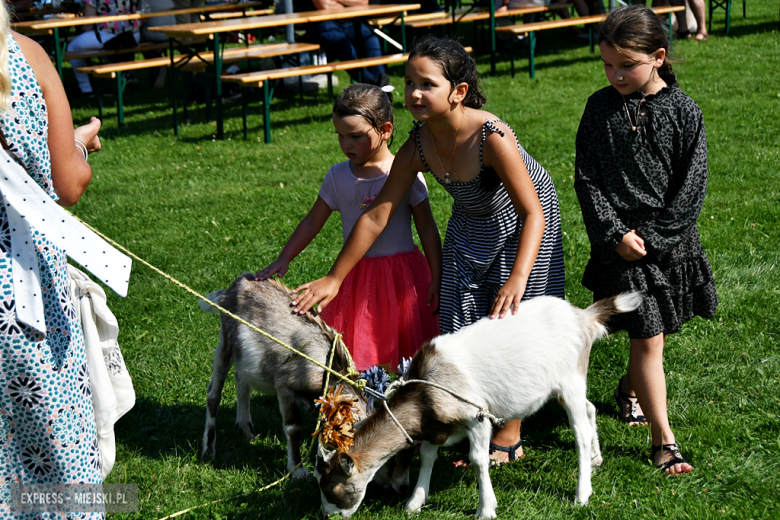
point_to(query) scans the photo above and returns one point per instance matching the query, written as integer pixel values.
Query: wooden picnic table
(54, 24)
(212, 30)
(46, 10)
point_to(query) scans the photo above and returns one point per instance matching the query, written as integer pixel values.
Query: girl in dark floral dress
(641, 176)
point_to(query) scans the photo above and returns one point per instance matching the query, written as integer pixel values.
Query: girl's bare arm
(431, 243)
(70, 173)
(501, 154)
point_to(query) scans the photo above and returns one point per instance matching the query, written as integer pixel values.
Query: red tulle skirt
(382, 310)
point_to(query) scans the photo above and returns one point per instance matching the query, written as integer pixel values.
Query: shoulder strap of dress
(415, 133)
(489, 125)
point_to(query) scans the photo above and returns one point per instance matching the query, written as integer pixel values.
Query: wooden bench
(470, 15)
(255, 12)
(263, 78)
(200, 64)
(475, 16)
(532, 28)
(141, 48)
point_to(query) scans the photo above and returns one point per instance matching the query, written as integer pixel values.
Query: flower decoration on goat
(339, 415)
(377, 379)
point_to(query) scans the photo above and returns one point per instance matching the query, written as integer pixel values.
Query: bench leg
(218, 85)
(403, 32)
(512, 55)
(590, 39)
(173, 91)
(100, 105)
(121, 82)
(492, 38)
(330, 84)
(243, 113)
(267, 111)
(531, 49)
(728, 16)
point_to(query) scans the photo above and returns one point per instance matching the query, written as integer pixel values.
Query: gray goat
(267, 367)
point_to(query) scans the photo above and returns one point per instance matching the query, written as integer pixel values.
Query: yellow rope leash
(352, 372)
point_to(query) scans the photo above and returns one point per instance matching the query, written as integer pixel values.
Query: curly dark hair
(367, 101)
(637, 28)
(456, 65)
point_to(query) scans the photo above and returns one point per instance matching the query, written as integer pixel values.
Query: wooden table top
(52, 23)
(277, 20)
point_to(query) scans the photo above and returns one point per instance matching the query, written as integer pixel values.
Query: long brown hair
(5, 77)
(636, 28)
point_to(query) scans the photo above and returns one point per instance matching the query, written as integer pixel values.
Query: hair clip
(387, 89)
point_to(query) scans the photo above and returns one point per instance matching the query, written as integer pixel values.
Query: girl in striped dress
(503, 241)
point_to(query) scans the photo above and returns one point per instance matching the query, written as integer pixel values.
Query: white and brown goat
(264, 365)
(510, 366)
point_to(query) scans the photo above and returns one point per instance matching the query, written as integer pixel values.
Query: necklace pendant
(446, 178)
(633, 129)
(363, 206)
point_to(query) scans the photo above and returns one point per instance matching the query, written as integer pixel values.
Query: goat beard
(339, 416)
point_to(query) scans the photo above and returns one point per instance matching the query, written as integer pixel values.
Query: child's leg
(646, 370)
(507, 436)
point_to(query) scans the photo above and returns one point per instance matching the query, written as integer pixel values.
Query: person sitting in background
(95, 36)
(187, 18)
(698, 9)
(346, 39)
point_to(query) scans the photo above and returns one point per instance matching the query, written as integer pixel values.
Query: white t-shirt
(345, 193)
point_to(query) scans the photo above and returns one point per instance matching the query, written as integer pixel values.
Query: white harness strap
(28, 207)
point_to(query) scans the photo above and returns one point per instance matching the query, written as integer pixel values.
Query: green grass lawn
(205, 210)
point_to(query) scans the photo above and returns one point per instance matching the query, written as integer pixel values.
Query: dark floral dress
(652, 180)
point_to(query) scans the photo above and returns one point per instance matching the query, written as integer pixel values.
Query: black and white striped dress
(480, 246)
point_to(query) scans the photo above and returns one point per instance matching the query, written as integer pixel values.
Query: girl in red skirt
(386, 306)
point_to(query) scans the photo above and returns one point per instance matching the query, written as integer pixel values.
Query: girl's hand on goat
(508, 296)
(278, 267)
(632, 248)
(320, 291)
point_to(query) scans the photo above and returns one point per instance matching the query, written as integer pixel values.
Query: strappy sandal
(677, 457)
(623, 399)
(508, 449)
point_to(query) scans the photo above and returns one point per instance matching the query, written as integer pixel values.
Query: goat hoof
(248, 429)
(415, 504)
(300, 473)
(582, 499)
(598, 461)
(486, 515)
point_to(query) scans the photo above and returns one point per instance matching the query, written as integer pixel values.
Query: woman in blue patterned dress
(47, 423)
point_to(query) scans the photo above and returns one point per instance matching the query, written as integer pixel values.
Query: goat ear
(347, 464)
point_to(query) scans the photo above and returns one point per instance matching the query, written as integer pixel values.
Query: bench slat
(253, 53)
(109, 70)
(485, 15)
(256, 79)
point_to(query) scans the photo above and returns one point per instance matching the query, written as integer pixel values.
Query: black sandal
(622, 400)
(683, 35)
(508, 449)
(677, 457)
